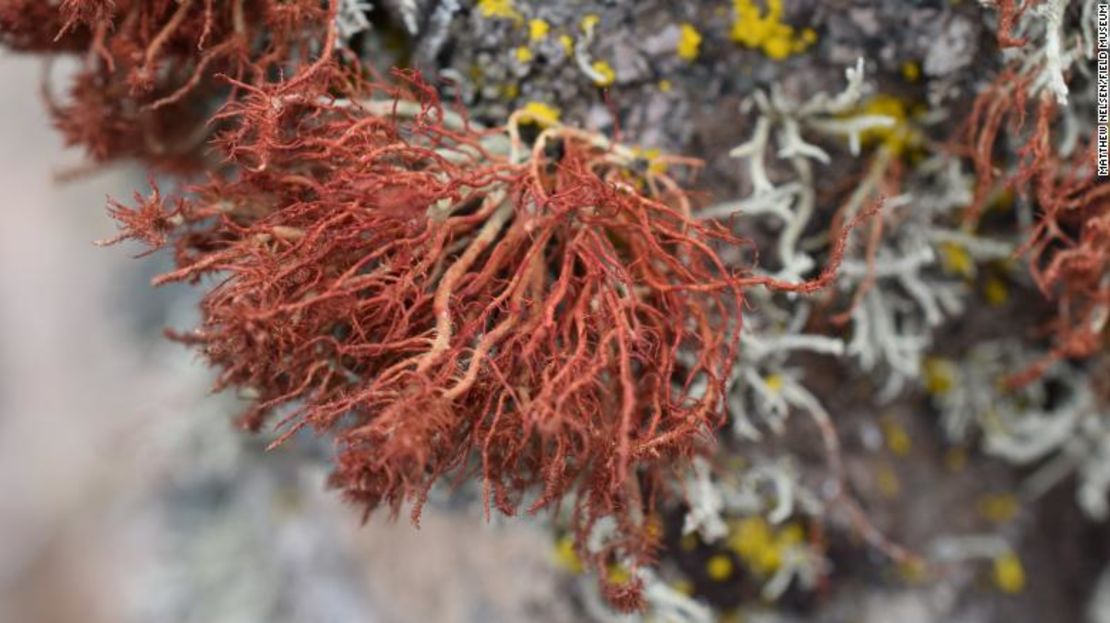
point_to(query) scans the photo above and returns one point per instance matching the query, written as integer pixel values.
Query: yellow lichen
(651, 156)
(773, 382)
(911, 71)
(539, 113)
(897, 439)
(567, 42)
(955, 259)
(767, 32)
(996, 292)
(689, 42)
(605, 74)
(683, 586)
(1008, 573)
(618, 574)
(912, 571)
(665, 86)
(566, 557)
(887, 481)
(761, 547)
(719, 567)
(899, 137)
(940, 375)
(499, 9)
(538, 29)
(523, 54)
(589, 22)
(998, 508)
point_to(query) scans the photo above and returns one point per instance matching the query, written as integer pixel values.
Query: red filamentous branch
(1009, 14)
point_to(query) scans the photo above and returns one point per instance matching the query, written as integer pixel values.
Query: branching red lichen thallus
(148, 84)
(446, 299)
(1010, 141)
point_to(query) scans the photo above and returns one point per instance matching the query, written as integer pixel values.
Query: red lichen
(1009, 14)
(560, 326)
(1069, 257)
(1068, 248)
(149, 78)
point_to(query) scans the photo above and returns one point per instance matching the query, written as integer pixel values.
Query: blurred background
(126, 494)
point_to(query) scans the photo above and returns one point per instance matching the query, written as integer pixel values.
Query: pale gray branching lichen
(351, 18)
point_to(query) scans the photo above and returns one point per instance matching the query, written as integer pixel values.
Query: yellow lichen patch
(754, 542)
(955, 259)
(899, 137)
(912, 571)
(998, 507)
(911, 71)
(605, 74)
(761, 547)
(719, 567)
(939, 375)
(565, 556)
(523, 54)
(996, 292)
(1008, 573)
(567, 42)
(539, 113)
(791, 534)
(689, 42)
(510, 91)
(538, 29)
(753, 28)
(665, 86)
(888, 483)
(651, 156)
(897, 439)
(589, 22)
(618, 574)
(686, 587)
(774, 382)
(499, 9)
